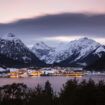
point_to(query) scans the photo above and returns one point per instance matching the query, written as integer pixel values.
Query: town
(48, 71)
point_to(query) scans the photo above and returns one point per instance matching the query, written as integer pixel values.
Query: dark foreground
(72, 93)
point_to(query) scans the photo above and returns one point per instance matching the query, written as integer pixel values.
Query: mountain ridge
(81, 52)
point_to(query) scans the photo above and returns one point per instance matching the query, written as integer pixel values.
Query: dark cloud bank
(56, 25)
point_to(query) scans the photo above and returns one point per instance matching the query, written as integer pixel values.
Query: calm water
(56, 81)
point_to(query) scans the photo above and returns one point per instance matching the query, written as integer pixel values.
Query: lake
(56, 81)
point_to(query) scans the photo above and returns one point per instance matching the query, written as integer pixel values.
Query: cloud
(57, 25)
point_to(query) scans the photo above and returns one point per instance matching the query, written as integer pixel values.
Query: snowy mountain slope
(78, 52)
(13, 48)
(87, 51)
(41, 50)
(82, 62)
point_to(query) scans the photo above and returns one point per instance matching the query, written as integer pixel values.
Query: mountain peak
(10, 36)
(41, 45)
(84, 39)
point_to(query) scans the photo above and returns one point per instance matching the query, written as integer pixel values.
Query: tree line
(71, 93)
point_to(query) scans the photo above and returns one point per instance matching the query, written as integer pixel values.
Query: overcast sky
(53, 21)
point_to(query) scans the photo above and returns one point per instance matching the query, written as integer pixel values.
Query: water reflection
(56, 81)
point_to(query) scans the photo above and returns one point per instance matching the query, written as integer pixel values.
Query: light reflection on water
(56, 81)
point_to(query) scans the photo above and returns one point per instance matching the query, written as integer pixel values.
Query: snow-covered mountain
(13, 48)
(42, 50)
(75, 53)
(82, 52)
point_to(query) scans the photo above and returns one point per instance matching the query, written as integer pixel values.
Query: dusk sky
(53, 21)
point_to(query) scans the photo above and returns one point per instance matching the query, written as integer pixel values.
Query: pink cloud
(16, 9)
